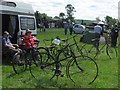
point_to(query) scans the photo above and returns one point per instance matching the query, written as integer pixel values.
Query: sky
(85, 9)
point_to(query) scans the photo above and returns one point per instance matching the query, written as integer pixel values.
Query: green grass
(0, 77)
(108, 71)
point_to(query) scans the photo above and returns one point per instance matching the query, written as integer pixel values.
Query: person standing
(98, 29)
(65, 23)
(70, 27)
(114, 35)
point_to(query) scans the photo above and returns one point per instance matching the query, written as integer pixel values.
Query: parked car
(77, 28)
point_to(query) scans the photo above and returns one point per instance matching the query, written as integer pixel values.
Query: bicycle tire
(44, 55)
(93, 52)
(34, 66)
(111, 52)
(47, 61)
(82, 70)
(83, 51)
(16, 67)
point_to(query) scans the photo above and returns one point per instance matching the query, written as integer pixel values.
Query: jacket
(28, 42)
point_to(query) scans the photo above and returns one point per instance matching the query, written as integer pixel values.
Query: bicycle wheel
(93, 51)
(18, 68)
(64, 56)
(83, 51)
(42, 64)
(49, 69)
(44, 55)
(111, 52)
(82, 70)
(35, 65)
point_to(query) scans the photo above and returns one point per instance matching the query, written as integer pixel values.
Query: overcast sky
(85, 9)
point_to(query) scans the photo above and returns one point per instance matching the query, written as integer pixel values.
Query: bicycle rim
(93, 52)
(34, 66)
(111, 52)
(16, 67)
(83, 70)
(44, 55)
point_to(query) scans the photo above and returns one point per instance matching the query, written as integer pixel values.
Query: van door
(26, 22)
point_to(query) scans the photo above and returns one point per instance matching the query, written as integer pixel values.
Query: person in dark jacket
(114, 35)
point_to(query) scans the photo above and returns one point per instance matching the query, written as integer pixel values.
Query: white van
(16, 18)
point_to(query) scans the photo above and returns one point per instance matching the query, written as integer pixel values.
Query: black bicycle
(30, 59)
(82, 60)
(73, 64)
(97, 47)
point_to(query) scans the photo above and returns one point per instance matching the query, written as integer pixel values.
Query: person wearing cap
(7, 42)
(28, 40)
(29, 43)
(8, 47)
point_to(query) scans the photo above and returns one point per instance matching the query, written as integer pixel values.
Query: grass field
(108, 71)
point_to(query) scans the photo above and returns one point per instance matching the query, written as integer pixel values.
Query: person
(42, 26)
(29, 44)
(65, 26)
(28, 40)
(98, 29)
(114, 35)
(70, 27)
(10, 48)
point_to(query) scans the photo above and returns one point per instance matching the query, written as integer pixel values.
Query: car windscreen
(27, 23)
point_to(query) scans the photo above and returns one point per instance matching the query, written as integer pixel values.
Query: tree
(42, 17)
(110, 21)
(70, 9)
(56, 18)
(62, 15)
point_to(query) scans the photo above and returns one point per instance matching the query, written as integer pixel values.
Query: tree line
(58, 20)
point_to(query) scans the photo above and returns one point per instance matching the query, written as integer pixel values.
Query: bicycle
(96, 48)
(73, 60)
(30, 59)
(82, 59)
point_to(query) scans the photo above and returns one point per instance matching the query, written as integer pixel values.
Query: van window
(27, 22)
